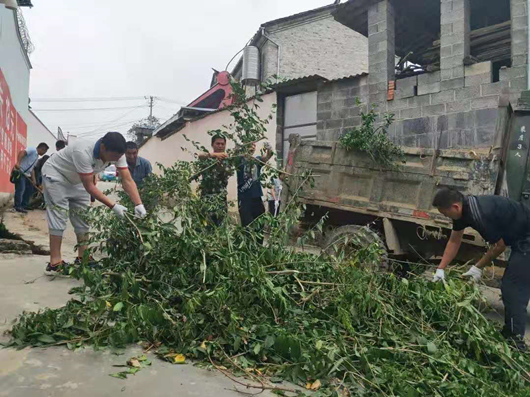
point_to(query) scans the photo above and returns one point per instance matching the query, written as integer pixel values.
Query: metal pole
(151, 104)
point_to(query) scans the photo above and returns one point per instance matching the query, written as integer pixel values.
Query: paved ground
(58, 372)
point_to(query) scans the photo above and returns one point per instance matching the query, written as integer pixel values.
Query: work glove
(139, 211)
(276, 204)
(439, 275)
(119, 210)
(474, 274)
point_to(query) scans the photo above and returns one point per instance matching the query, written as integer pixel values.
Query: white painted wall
(38, 132)
(13, 61)
(169, 151)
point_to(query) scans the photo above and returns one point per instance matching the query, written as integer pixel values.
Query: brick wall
(457, 107)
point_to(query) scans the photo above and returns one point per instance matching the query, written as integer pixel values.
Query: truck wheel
(350, 239)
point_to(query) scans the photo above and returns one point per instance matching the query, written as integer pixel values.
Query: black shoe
(91, 263)
(21, 210)
(60, 268)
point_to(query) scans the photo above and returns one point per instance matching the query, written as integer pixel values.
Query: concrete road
(58, 372)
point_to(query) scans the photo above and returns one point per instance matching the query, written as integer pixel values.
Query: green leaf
(319, 344)
(118, 306)
(46, 339)
(431, 347)
(119, 375)
(257, 348)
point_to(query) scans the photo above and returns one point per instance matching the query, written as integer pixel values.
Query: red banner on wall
(13, 136)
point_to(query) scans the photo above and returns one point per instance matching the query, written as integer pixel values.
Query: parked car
(110, 173)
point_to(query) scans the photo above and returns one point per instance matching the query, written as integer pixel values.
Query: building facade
(309, 43)
(19, 127)
(466, 73)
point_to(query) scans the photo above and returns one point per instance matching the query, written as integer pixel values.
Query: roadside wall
(38, 132)
(14, 89)
(176, 148)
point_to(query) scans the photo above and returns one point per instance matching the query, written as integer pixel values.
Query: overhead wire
(105, 125)
(97, 99)
(85, 109)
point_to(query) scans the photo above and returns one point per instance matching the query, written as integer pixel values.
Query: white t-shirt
(78, 158)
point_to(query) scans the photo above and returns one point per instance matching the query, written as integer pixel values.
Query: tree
(143, 129)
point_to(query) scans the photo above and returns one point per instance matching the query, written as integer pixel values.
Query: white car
(110, 173)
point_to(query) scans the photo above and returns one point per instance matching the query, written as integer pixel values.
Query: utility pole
(151, 104)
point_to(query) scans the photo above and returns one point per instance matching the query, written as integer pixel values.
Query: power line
(86, 109)
(182, 103)
(105, 128)
(98, 99)
(101, 123)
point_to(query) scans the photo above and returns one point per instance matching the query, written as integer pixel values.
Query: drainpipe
(280, 49)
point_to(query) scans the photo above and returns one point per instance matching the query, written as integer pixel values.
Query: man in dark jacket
(501, 222)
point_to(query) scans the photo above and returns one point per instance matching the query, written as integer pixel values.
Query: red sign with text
(13, 135)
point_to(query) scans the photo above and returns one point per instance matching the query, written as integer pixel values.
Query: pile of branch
(215, 294)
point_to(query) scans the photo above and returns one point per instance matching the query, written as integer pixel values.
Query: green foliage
(214, 293)
(372, 139)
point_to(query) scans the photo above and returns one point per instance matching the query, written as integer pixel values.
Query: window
(300, 118)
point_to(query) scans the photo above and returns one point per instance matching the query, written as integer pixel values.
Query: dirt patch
(11, 243)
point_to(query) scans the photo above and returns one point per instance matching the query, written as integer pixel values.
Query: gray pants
(63, 201)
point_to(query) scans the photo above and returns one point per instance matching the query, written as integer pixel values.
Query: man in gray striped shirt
(501, 222)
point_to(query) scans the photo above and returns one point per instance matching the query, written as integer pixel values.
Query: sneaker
(21, 210)
(91, 263)
(58, 269)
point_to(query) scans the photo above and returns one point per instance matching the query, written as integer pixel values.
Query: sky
(121, 49)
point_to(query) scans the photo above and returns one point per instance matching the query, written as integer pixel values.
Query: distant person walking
(139, 167)
(23, 175)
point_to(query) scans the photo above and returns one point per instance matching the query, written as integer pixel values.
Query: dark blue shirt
(248, 179)
(140, 170)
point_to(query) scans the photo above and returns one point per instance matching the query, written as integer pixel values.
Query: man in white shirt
(68, 180)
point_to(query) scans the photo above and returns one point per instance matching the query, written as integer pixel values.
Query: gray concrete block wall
(381, 46)
(455, 41)
(319, 45)
(462, 117)
(457, 107)
(336, 107)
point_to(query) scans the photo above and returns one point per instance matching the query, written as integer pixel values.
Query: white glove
(439, 275)
(119, 210)
(474, 273)
(276, 204)
(139, 211)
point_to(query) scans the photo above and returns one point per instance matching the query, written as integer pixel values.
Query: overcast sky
(134, 48)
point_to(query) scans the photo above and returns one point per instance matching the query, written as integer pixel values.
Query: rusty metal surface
(351, 181)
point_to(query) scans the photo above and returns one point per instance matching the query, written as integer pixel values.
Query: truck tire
(352, 238)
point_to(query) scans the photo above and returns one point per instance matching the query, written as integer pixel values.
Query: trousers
(516, 292)
(23, 191)
(63, 201)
